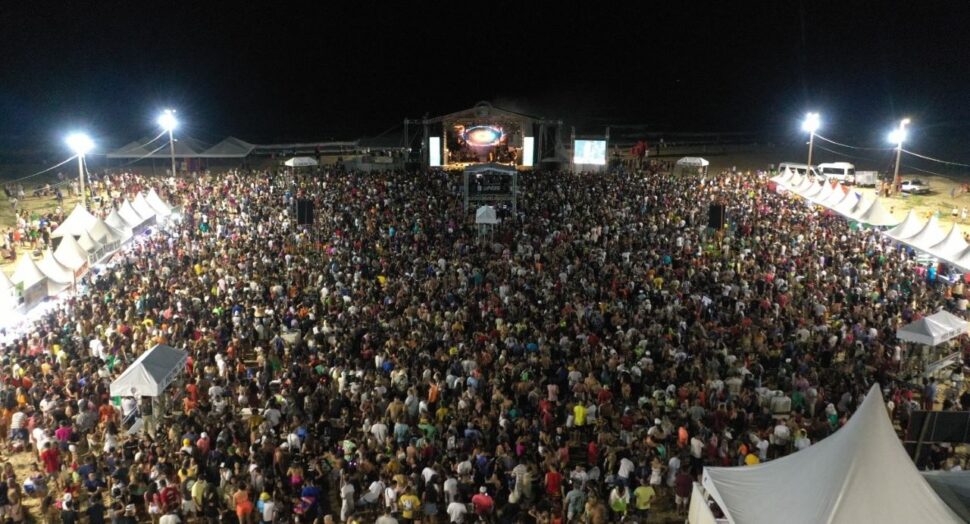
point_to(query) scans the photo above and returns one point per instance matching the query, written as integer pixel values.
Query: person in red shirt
(51, 457)
(553, 483)
(482, 502)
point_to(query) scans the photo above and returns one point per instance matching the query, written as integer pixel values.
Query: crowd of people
(388, 364)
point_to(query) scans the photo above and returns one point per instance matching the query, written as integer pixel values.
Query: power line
(150, 153)
(853, 147)
(43, 171)
(823, 148)
(935, 159)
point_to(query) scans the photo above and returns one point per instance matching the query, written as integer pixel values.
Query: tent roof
(859, 474)
(150, 374)
(485, 215)
(876, 215)
(88, 243)
(27, 272)
(130, 215)
(951, 247)
(185, 147)
(230, 147)
(117, 221)
(301, 161)
(928, 236)
(5, 283)
(848, 204)
(143, 207)
(76, 223)
(838, 195)
(694, 161)
(954, 488)
(102, 233)
(70, 254)
(159, 205)
(54, 270)
(482, 168)
(907, 228)
(932, 330)
(482, 111)
(824, 194)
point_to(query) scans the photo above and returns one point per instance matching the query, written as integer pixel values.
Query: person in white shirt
(456, 512)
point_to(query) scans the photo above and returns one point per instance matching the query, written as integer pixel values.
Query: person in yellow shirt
(579, 415)
(751, 459)
(642, 498)
(409, 504)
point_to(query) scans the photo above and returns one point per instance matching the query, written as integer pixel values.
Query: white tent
(848, 204)
(813, 190)
(9, 299)
(952, 246)
(143, 207)
(907, 228)
(485, 215)
(824, 194)
(784, 177)
(930, 235)
(795, 181)
(150, 374)
(54, 270)
(33, 284)
(131, 216)
(94, 249)
(804, 187)
(159, 205)
(120, 225)
(876, 215)
(301, 161)
(693, 161)
(76, 223)
(954, 488)
(838, 195)
(106, 235)
(932, 330)
(71, 255)
(861, 473)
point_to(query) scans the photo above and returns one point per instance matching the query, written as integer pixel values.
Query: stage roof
(483, 111)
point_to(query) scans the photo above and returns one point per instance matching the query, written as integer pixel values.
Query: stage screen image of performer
(480, 143)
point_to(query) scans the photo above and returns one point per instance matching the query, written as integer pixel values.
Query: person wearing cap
(266, 508)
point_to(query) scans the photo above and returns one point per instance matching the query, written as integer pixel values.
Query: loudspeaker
(715, 216)
(304, 212)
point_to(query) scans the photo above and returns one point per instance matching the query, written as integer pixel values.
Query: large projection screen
(434, 151)
(589, 152)
(528, 151)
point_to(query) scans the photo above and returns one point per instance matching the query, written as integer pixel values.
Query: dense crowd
(390, 364)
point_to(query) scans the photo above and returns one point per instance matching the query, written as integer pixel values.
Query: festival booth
(824, 194)
(929, 235)
(933, 331)
(693, 164)
(783, 178)
(162, 209)
(848, 204)
(119, 224)
(131, 216)
(108, 237)
(9, 295)
(485, 221)
(910, 226)
(876, 215)
(861, 473)
(301, 161)
(148, 376)
(55, 272)
(70, 255)
(92, 247)
(31, 282)
(76, 223)
(951, 248)
(145, 209)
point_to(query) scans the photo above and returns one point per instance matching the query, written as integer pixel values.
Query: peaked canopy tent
(109, 237)
(9, 296)
(230, 147)
(119, 224)
(932, 330)
(161, 207)
(185, 147)
(928, 236)
(72, 256)
(907, 228)
(876, 215)
(824, 194)
(954, 488)
(838, 195)
(55, 272)
(151, 373)
(301, 161)
(694, 163)
(783, 178)
(144, 208)
(485, 215)
(952, 246)
(76, 223)
(30, 281)
(94, 249)
(861, 473)
(848, 204)
(127, 212)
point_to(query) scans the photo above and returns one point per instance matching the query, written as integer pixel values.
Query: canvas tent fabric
(485, 215)
(160, 206)
(185, 147)
(824, 194)
(94, 249)
(928, 236)
(103, 233)
(120, 225)
(693, 161)
(8, 293)
(951, 247)
(838, 195)
(301, 161)
(54, 270)
(143, 207)
(26, 273)
(813, 190)
(150, 373)
(76, 223)
(950, 320)
(130, 215)
(877, 215)
(954, 488)
(907, 228)
(848, 204)
(230, 147)
(70, 254)
(930, 331)
(861, 473)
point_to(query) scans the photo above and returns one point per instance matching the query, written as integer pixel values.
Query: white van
(801, 169)
(841, 171)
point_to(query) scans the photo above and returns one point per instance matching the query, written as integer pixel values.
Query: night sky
(342, 70)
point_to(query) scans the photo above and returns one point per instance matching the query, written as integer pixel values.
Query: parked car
(915, 187)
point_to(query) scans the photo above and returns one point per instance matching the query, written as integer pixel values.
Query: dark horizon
(339, 72)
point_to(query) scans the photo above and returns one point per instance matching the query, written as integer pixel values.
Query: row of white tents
(923, 235)
(82, 241)
(837, 198)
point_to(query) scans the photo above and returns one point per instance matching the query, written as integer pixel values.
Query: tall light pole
(168, 122)
(80, 143)
(898, 136)
(811, 124)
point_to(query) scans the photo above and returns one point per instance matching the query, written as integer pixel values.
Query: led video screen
(589, 152)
